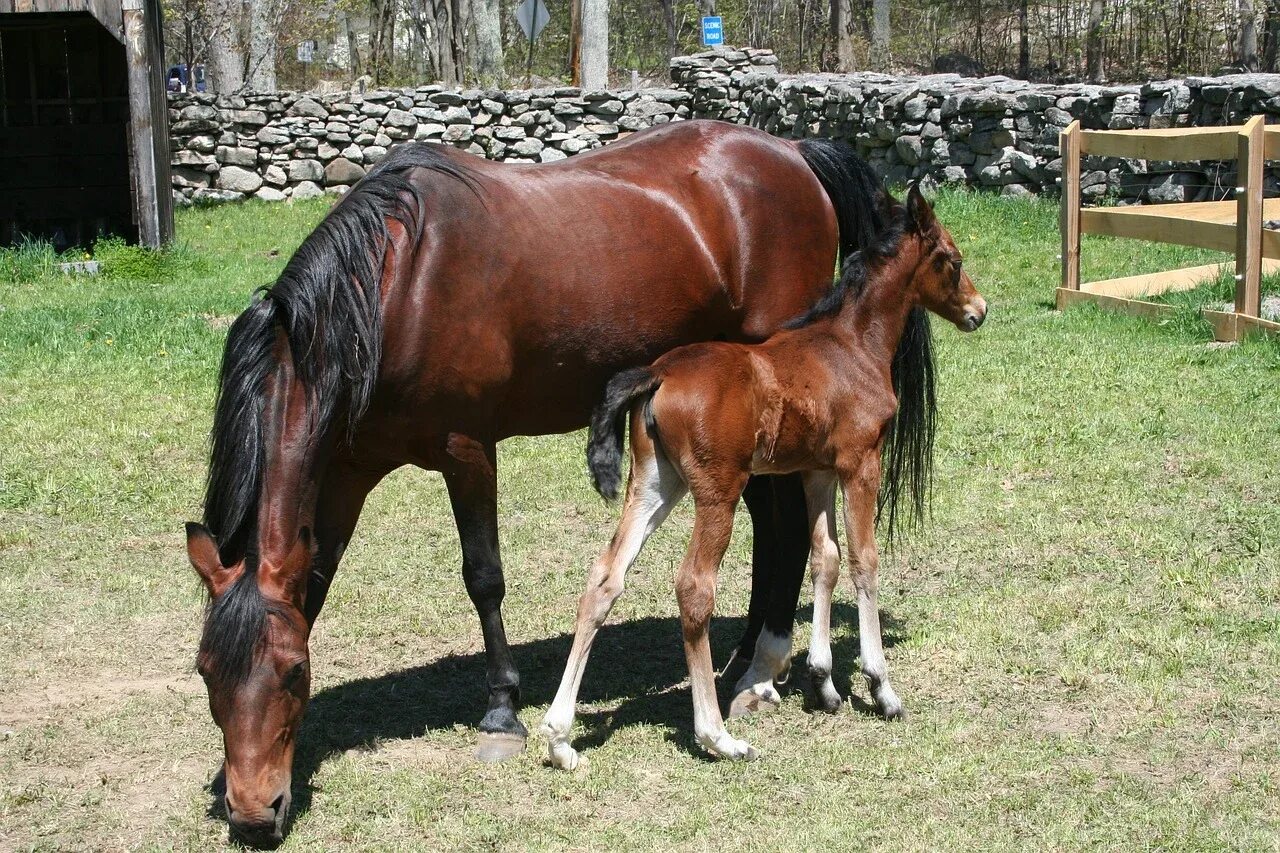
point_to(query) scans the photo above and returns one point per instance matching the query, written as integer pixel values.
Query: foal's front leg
(860, 490)
(696, 592)
(824, 563)
(755, 689)
(653, 489)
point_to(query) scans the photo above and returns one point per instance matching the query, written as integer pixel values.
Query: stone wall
(992, 132)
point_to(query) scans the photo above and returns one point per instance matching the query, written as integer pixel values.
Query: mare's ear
(919, 212)
(202, 551)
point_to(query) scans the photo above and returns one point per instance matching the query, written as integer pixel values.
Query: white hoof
(755, 699)
(564, 757)
(890, 705)
(724, 745)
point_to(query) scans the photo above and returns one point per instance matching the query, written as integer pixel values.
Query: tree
(488, 30)
(1093, 41)
(842, 34)
(226, 56)
(595, 44)
(264, 24)
(880, 35)
(1247, 43)
(1024, 41)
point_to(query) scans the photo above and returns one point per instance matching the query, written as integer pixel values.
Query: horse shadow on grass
(637, 667)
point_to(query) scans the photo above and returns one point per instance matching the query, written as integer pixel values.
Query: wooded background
(252, 44)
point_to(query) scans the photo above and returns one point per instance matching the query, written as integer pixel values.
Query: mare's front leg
(861, 486)
(471, 477)
(653, 489)
(696, 592)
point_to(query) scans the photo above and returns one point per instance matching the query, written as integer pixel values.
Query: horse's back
(529, 290)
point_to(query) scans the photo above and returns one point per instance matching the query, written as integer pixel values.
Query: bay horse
(848, 385)
(444, 304)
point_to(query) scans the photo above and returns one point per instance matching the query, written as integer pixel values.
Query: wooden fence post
(146, 205)
(1249, 218)
(1069, 215)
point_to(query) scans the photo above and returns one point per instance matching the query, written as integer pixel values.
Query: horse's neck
(874, 320)
(291, 471)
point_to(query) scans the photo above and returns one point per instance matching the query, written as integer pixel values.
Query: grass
(1088, 637)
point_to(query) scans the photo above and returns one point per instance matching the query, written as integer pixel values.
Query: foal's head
(939, 282)
(254, 661)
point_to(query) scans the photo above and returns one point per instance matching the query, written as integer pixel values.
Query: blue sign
(712, 31)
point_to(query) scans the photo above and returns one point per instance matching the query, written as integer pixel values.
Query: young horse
(817, 398)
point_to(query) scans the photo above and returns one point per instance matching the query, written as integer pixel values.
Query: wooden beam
(1179, 144)
(1249, 218)
(1137, 307)
(1069, 212)
(1171, 281)
(1150, 223)
(141, 142)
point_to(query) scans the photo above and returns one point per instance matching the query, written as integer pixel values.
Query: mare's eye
(294, 675)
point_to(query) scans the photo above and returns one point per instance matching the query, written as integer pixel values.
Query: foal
(817, 398)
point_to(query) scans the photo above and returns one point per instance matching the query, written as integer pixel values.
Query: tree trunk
(842, 34)
(1271, 37)
(226, 57)
(488, 54)
(1024, 41)
(669, 19)
(595, 44)
(353, 47)
(880, 35)
(1093, 41)
(444, 42)
(262, 45)
(1247, 45)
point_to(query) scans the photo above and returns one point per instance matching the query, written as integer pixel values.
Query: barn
(84, 126)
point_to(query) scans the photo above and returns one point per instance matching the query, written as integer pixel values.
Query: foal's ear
(202, 551)
(919, 211)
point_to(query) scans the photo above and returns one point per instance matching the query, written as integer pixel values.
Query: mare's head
(255, 662)
(939, 282)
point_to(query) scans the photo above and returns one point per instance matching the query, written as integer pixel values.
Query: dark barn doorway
(83, 123)
(64, 116)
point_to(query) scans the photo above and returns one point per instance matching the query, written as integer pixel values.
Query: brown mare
(447, 303)
(821, 398)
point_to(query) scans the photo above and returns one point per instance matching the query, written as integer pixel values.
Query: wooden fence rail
(1227, 226)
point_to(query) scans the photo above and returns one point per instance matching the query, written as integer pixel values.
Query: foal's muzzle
(974, 316)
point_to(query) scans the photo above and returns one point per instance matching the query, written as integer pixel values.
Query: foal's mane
(907, 454)
(326, 306)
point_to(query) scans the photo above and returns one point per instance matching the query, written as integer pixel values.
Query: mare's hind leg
(696, 592)
(471, 477)
(824, 563)
(860, 490)
(780, 543)
(653, 489)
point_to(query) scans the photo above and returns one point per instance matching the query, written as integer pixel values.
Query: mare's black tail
(858, 196)
(608, 423)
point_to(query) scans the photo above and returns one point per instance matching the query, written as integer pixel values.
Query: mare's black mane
(325, 308)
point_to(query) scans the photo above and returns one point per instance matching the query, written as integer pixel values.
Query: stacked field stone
(991, 132)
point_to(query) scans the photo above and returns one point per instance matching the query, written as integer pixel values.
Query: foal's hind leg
(864, 563)
(654, 488)
(696, 592)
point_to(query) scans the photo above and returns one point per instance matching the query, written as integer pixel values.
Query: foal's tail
(608, 423)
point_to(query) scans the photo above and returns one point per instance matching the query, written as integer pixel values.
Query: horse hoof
(498, 746)
(828, 702)
(890, 706)
(749, 702)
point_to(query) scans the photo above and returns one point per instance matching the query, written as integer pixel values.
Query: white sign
(306, 51)
(532, 15)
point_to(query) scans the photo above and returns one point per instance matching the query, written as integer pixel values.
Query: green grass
(1088, 636)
